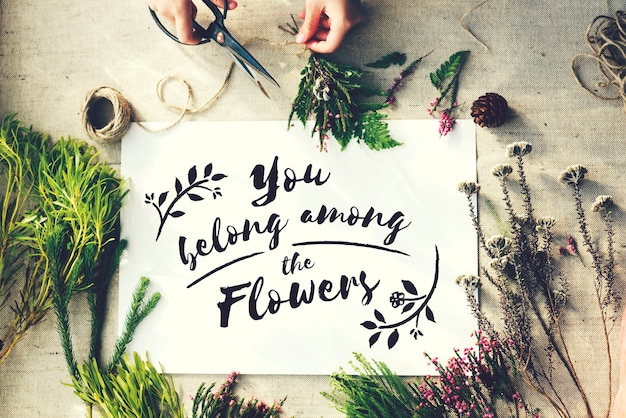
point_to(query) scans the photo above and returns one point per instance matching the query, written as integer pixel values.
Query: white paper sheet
(274, 258)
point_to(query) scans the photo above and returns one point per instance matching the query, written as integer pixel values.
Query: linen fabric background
(54, 52)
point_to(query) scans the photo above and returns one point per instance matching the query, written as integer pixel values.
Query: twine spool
(106, 114)
(606, 36)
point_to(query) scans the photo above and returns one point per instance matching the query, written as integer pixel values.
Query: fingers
(220, 3)
(325, 30)
(181, 14)
(311, 21)
(183, 21)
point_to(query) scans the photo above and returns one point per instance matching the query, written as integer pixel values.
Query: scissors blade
(220, 35)
(251, 73)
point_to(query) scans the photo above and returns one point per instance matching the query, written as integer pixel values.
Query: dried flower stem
(598, 284)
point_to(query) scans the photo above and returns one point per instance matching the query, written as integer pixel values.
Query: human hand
(326, 23)
(181, 14)
(619, 404)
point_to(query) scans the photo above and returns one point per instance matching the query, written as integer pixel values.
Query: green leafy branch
(24, 288)
(331, 94)
(446, 80)
(133, 389)
(446, 77)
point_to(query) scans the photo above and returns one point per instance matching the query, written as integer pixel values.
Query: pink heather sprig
(446, 122)
(571, 249)
(223, 402)
(446, 80)
(398, 82)
(472, 382)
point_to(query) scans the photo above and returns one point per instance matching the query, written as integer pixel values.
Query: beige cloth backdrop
(53, 52)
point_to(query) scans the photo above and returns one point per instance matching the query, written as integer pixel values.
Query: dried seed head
(518, 149)
(499, 245)
(500, 263)
(468, 281)
(573, 175)
(502, 170)
(545, 223)
(468, 187)
(603, 202)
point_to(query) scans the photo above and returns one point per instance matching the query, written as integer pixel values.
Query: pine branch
(138, 311)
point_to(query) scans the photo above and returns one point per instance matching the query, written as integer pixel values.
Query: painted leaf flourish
(374, 338)
(430, 315)
(409, 287)
(192, 175)
(393, 339)
(379, 316)
(369, 325)
(191, 191)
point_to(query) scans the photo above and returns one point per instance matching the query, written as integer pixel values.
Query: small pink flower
(446, 122)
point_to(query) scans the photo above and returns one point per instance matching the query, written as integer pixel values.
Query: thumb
(311, 21)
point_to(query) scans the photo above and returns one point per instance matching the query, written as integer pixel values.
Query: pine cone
(489, 110)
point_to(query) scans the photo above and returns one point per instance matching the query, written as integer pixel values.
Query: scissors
(217, 32)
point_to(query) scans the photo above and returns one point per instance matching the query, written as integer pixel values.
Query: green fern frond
(448, 69)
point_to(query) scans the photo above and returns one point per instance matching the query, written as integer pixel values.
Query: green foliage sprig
(475, 383)
(446, 80)
(133, 389)
(332, 94)
(393, 58)
(76, 230)
(374, 391)
(24, 286)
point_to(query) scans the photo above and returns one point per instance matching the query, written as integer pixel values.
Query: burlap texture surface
(53, 52)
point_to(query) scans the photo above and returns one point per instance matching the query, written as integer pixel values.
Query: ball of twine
(606, 36)
(106, 114)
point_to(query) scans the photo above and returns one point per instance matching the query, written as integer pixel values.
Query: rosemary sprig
(24, 287)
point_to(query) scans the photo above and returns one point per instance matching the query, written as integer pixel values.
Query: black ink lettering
(369, 290)
(254, 297)
(325, 287)
(395, 223)
(274, 227)
(296, 299)
(271, 182)
(229, 300)
(295, 264)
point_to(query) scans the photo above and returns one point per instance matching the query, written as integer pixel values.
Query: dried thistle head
(499, 246)
(573, 175)
(545, 224)
(468, 281)
(518, 149)
(468, 187)
(500, 263)
(602, 202)
(502, 170)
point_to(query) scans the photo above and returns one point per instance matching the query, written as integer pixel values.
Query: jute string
(606, 36)
(122, 112)
(469, 32)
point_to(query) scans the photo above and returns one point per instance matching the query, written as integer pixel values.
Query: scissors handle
(219, 19)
